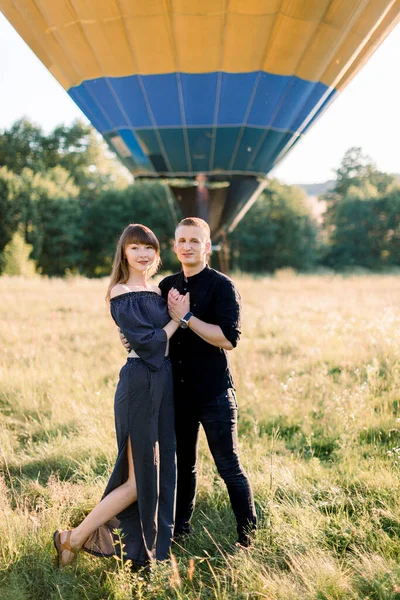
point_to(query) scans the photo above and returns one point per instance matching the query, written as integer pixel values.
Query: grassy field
(318, 385)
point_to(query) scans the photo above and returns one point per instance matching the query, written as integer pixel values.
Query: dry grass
(318, 382)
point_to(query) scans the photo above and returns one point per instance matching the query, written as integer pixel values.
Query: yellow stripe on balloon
(316, 40)
(382, 30)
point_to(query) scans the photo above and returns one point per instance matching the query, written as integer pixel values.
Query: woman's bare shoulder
(121, 288)
(118, 289)
(155, 288)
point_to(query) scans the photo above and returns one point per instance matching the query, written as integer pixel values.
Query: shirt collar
(198, 276)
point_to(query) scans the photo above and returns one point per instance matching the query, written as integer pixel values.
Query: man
(203, 385)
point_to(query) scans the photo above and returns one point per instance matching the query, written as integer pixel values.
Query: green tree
(35, 190)
(366, 233)
(356, 171)
(61, 237)
(277, 232)
(77, 148)
(21, 147)
(16, 257)
(43, 207)
(11, 209)
(106, 215)
(360, 223)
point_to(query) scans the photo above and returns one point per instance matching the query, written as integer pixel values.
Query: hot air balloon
(216, 92)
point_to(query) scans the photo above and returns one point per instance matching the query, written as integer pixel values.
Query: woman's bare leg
(115, 502)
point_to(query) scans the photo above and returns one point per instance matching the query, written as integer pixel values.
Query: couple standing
(193, 317)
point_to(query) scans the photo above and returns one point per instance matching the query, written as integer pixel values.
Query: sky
(366, 113)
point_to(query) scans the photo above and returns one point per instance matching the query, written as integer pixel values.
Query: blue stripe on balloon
(199, 94)
(163, 98)
(310, 100)
(130, 95)
(267, 99)
(240, 87)
(133, 145)
(200, 147)
(89, 107)
(106, 97)
(138, 161)
(226, 138)
(272, 144)
(237, 149)
(241, 122)
(260, 100)
(297, 95)
(150, 141)
(249, 139)
(174, 147)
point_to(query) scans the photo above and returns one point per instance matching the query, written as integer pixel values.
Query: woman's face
(140, 257)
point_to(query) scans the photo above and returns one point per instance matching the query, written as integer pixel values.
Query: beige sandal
(61, 546)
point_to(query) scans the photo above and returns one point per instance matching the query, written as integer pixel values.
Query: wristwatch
(184, 322)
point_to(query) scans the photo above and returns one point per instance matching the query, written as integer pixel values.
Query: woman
(140, 496)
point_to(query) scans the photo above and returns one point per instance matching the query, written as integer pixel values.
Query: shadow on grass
(322, 444)
(6, 405)
(46, 434)
(33, 426)
(40, 470)
(66, 468)
(35, 575)
(214, 532)
(9, 406)
(378, 585)
(380, 436)
(214, 536)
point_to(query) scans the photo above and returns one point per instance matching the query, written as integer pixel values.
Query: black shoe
(246, 537)
(245, 542)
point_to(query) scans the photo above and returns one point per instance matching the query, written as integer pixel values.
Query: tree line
(64, 199)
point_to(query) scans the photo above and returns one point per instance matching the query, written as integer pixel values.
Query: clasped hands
(178, 306)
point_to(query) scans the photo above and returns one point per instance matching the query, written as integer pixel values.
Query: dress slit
(144, 414)
(146, 420)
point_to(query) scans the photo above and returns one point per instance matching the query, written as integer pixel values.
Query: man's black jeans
(219, 420)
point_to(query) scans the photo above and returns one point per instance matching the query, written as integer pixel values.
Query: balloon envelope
(203, 86)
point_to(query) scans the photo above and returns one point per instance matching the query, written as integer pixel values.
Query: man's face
(191, 245)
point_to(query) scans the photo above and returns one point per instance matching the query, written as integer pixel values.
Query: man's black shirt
(202, 371)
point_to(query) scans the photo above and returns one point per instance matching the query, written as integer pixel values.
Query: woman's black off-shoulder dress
(144, 412)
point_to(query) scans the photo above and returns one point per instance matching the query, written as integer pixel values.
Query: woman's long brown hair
(135, 233)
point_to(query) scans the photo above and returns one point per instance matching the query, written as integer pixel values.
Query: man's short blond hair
(195, 222)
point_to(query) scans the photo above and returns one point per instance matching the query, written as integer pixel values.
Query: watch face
(183, 324)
